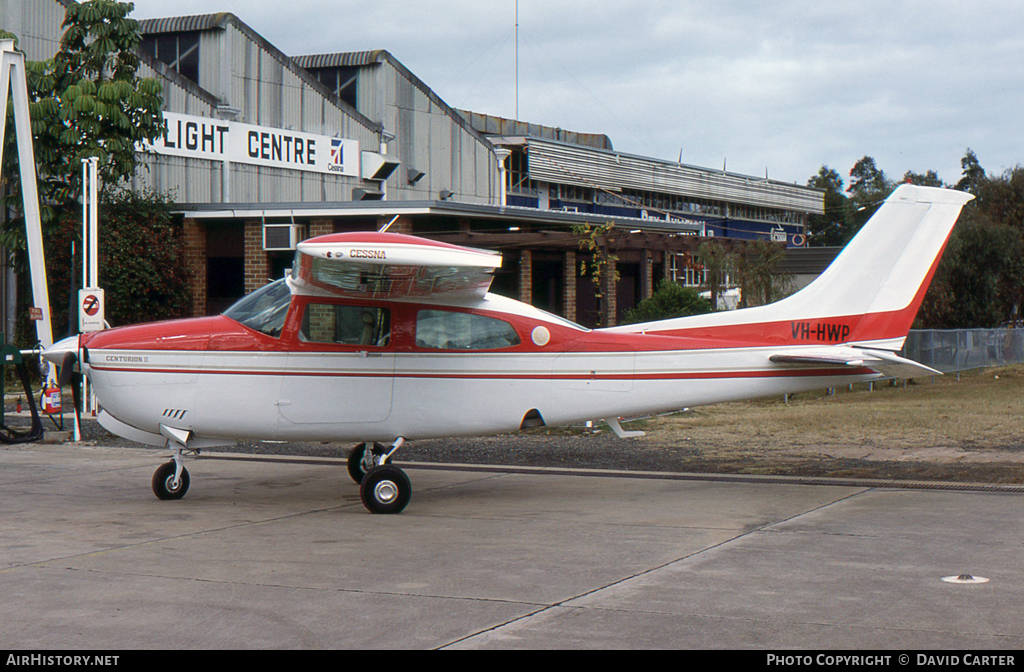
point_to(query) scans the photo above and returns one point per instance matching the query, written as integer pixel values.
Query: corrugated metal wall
(36, 23)
(430, 138)
(567, 164)
(266, 91)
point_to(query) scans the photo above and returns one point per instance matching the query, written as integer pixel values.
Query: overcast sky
(784, 86)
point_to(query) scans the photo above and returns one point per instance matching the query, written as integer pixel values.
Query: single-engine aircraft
(381, 338)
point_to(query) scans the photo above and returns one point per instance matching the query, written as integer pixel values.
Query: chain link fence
(962, 349)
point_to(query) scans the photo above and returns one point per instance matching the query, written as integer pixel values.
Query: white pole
(85, 223)
(86, 212)
(94, 242)
(94, 219)
(12, 81)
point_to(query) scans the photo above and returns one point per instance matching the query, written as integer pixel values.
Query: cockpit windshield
(265, 309)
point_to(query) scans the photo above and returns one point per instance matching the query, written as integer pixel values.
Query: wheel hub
(385, 492)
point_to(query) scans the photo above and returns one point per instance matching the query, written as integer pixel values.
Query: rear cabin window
(346, 325)
(446, 330)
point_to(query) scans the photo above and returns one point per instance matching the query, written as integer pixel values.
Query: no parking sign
(90, 310)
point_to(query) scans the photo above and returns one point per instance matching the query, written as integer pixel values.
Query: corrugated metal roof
(346, 59)
(183, 24)
(562, 163)
(220, 20)
(365, 58)
(489, 124)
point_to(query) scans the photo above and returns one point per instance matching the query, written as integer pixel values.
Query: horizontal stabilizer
(894, 366)
(884, 362)
(825, 360)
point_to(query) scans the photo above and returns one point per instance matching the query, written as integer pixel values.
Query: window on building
(571, 192)
(517, 178)
(179, 51)
(341, 80)
(447, 330)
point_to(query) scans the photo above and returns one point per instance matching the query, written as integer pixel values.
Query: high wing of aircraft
(381, 338)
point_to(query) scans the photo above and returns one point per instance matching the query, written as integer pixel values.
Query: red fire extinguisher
(51, 399)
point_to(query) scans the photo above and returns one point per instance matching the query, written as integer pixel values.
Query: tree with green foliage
(973, 174)
(141, 261)
(869, 186)
(670, 300)
(760, 277)
(602, 263)
(830, 228)
(980, 280)
(717, 263)
(86, 101)
(927, 179)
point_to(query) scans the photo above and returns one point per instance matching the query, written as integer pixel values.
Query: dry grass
(966, 429)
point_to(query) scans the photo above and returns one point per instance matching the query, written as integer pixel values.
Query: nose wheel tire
(356, 468)
(385, 489)
(164, 486)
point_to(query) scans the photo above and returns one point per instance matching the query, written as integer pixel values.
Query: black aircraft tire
(386, 489)
(355, 460)
(162, 479)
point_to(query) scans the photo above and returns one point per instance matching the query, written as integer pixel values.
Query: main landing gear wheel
(357, 466)
(164, 486)
(385, 489)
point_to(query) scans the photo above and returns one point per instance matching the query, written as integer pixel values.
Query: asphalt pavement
(278, 552)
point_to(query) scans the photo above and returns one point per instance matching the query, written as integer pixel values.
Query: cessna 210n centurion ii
(382, 338)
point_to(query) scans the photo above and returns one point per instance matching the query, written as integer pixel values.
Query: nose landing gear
(167, 485)
(171, 480)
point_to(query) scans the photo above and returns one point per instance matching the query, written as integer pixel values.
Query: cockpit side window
(346, 325)
(264, 310)
(448, 330)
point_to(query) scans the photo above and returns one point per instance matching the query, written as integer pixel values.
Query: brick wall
(611, 303)
(526, 276)
(647, 275)
(401, 225)
(195, 263)
(569, 293)
(320, 227)
(257, 268)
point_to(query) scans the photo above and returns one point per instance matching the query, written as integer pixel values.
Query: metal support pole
(12, 81)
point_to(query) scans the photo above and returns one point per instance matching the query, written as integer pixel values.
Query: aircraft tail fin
(868, 296)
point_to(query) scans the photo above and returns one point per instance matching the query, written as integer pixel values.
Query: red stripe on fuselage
(691, 375)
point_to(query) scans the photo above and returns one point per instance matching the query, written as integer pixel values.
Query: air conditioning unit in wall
(281, 237)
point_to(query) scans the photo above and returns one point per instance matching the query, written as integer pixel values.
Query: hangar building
(264, 149)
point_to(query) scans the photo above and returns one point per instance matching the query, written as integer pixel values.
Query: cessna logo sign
(218, 140)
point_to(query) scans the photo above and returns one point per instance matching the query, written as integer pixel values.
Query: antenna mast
(517, 60)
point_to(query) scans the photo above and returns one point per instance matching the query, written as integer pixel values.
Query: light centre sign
(219, 140)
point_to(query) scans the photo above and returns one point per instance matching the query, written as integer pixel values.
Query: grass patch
(941, 427)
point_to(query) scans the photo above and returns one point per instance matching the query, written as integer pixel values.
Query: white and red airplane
(382, 338)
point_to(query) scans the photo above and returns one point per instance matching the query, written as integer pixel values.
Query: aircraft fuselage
(219, 378)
